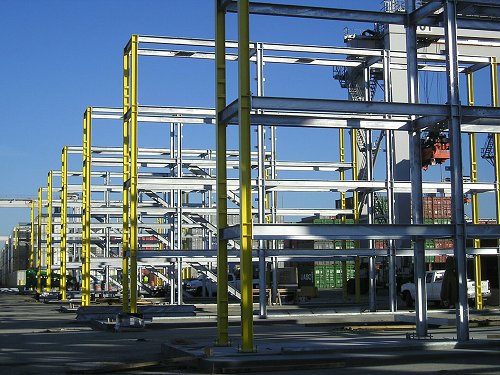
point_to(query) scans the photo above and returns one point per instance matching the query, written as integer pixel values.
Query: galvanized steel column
(343, 207)
(372, 281)
(261, 150)
(221, 172)
(457, 190)
(244, 98)
(64, 208)
(389, 165)
(355, 204)
(416, 179)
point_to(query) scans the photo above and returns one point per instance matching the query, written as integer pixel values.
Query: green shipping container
(330, 276)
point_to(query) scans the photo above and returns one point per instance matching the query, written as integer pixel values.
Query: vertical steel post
(64, 226)
(457, 190)
(16, 242)
(355, 204)
(107, 249)
(343, 207)
(274, 176)
(244, 105)
(179, 281)
(179, 192)
(86, 194)
(32, 237)
(416, 178)
(389, 141)
(179, 203)
(133, 172)
(39, 244)
(372, 290)
(126, 180)
(171, 275)
(261, 150)
(495, 103)
(475, 200)
(221, 173)
(49, 232)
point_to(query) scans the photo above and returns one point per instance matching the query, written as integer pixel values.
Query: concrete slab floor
(36, 339)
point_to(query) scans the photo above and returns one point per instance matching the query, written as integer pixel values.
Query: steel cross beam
(15, 203)
(423, 17)
(361, 231)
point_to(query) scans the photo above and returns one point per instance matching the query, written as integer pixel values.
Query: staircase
(488, 151)
(212, 276)
(349, 78)
(192, 218)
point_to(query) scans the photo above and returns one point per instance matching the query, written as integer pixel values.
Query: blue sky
(60, 56)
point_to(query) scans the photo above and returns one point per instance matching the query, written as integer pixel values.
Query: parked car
(433, 283)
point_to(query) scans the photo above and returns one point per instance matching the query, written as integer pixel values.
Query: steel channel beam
(462, 314)
(285, 10)
(361, 231)
(416, 176)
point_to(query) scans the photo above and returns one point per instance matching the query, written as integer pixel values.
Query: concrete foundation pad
(302, 352)
(290, 341)
(89, 313)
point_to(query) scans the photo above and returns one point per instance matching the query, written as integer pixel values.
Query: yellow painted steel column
(343, 206)
(64, 219)
(245, 177)
(48, 247)
(355, 202)
(126, 178)
(495, 103)
(221, 172)
(86, 196)
(32, 237)
(475, 201)
(133, 174)
(39, 244)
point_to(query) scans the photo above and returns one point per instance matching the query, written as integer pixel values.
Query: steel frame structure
(133, 50)
(309, 119)
(288, 111)
(261, 111)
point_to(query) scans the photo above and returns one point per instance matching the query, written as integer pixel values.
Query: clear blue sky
(60, 56)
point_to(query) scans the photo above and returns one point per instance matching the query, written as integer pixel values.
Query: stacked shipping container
(437, 210)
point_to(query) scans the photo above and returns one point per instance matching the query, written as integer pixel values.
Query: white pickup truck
(433, 282)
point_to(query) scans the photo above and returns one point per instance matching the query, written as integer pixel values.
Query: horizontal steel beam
(423, 18)
(279, 111)
(300, 11)
(15, 203)
(426, 10)
(359, 231)
(166, 257)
